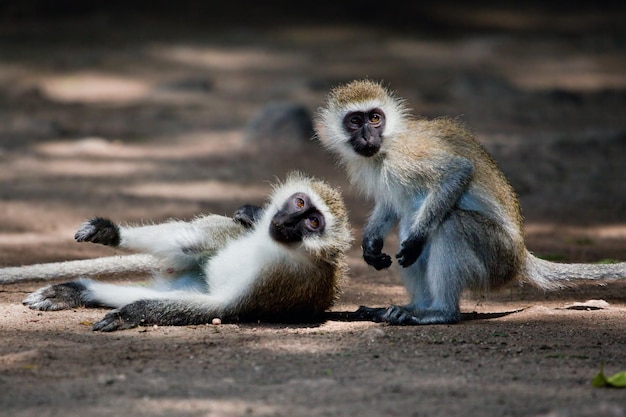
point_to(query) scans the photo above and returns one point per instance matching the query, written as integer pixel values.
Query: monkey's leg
(467, 251)
(416, 286)
(188, 309)
(59, 296)
(90, 293)
(416, 282)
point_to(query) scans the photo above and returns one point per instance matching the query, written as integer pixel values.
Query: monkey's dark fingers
(113, 321)
(403, 316)
(98, 230)
(410, 251)
(248, 215)
(406, 259)
(377, 260)
(399, 316)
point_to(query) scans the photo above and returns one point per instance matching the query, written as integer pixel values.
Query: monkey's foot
(98, 230)
(117, 319)
(131, 315)
(57, 297)
(403, 316)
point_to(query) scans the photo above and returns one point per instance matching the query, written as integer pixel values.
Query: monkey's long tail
(106, 266)
(552, 275)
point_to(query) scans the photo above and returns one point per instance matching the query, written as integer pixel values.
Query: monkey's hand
(373, 255)
(247, 215)
(410, 250)
(99, 230)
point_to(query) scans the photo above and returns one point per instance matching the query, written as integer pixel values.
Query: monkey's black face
(296, 219)
(365, 130)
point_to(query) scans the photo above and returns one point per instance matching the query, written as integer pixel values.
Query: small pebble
(216, 321)
(372, 334)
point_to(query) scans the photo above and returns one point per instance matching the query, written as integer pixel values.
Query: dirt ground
(157, 110)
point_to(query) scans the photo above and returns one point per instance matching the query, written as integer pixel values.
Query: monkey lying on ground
(287, 267)
(459, 220)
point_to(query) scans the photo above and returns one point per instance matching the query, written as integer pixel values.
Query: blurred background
(147, 110)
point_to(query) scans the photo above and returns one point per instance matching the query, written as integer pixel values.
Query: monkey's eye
(299, 202)
(374, 118)
(314, 222)
(356, 120)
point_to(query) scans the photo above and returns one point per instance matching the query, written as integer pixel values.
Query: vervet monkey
(287, 267)
(459, 220)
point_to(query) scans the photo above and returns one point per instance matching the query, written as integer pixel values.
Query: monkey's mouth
(284, 235)
(367, 149)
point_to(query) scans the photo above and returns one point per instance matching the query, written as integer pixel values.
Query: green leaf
(615, 381)
(599, 380)
(618, 380)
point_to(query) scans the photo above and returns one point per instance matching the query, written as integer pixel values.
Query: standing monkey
(459, 220)
(281, 263)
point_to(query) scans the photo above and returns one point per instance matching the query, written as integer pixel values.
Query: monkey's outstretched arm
(443, 196)
(178, 245)
(208, 232)
(380, 223)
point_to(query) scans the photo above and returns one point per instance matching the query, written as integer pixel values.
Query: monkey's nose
(280, 221)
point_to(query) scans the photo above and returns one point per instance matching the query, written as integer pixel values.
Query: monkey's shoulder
(221, 227)
(431, 140)
(443, 130)
(443, 136)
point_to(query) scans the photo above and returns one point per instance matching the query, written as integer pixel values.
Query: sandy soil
(155, 113)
